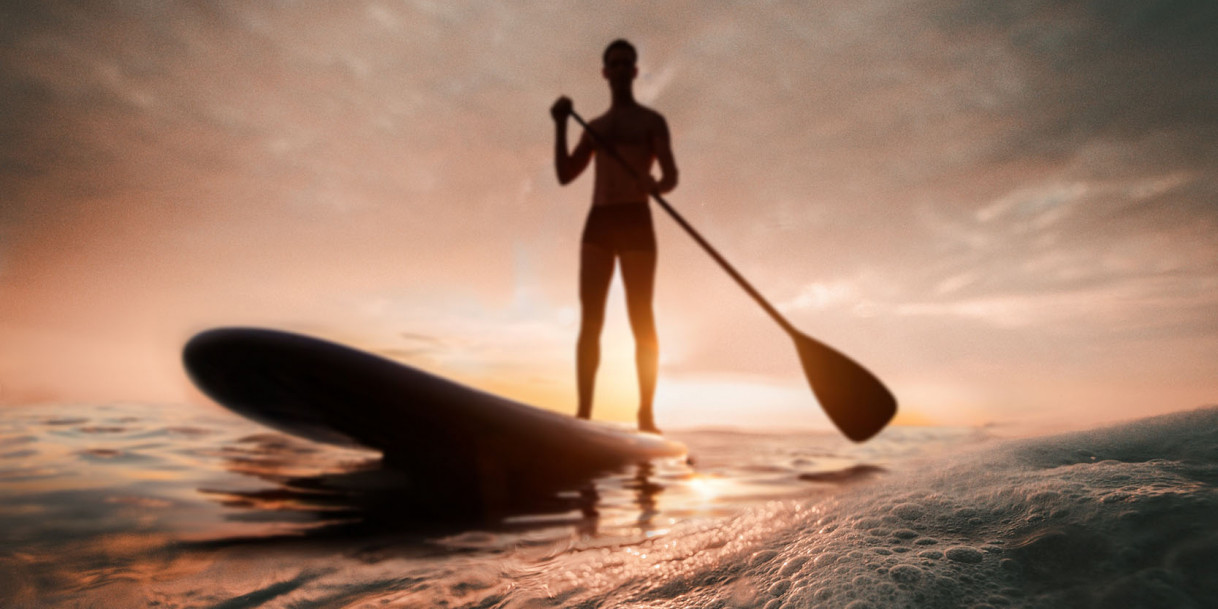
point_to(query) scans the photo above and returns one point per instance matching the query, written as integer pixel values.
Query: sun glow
(707, 487)
(736, 400)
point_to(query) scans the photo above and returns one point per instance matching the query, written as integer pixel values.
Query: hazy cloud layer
(968, 196)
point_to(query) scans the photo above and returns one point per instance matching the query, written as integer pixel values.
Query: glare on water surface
(128, 498)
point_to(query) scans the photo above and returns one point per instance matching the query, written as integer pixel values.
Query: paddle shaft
(731, 270)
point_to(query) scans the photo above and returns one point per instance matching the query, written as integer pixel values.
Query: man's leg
(595, 272)
(638, 277)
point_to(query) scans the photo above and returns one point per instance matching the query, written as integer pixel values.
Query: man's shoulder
(656, 123)
(652, 113)
(601, 123)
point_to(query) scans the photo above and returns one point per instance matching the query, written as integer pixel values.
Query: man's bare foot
(648, 424)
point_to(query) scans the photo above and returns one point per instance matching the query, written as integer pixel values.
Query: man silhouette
(619, 222)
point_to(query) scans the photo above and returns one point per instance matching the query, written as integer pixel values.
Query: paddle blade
(855, 400)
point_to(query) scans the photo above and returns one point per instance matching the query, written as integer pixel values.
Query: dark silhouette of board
(445, 434)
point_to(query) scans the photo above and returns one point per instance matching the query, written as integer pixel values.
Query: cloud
(1095, 70)
(887, 172)
(1039, 206)
(821, 296)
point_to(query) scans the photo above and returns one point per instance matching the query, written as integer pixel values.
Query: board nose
(245, 369)
(206, 349)
(202, 356)
(216, 359)
(198, 353)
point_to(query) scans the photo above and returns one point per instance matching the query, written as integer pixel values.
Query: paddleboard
(443, 433)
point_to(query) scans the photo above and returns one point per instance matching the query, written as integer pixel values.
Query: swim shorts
(620, 227)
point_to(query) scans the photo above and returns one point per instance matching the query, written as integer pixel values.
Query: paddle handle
(731, 270)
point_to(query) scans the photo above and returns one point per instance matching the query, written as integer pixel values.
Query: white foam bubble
(1116, 517)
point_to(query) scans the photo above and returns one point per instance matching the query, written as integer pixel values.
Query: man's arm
(568, 166)
(662, 145)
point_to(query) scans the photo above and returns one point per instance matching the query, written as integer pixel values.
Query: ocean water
(143, 505)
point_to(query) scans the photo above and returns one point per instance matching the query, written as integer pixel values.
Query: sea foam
(124, 507)
(1117, 517)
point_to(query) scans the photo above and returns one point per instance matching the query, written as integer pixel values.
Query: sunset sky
(1007, 210)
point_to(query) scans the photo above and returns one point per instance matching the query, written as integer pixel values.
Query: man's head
(619, 62)
(620, 44)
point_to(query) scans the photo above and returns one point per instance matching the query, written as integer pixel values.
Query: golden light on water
(707, 487)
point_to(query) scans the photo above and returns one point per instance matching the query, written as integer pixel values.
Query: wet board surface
(442, 432)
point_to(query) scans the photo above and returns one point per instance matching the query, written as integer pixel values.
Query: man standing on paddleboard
(629, 138)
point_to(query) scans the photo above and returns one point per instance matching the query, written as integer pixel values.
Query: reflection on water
(352, 499)
(140, 504)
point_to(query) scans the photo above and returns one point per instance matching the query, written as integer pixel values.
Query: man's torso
(633, 132)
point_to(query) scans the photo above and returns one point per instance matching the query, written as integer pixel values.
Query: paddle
(855, 400)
